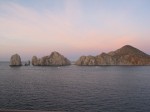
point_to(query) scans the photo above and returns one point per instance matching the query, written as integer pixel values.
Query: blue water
(75, 89)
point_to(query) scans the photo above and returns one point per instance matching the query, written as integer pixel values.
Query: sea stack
(127, 55)
(15, 60)
(27, 63)
(34, 61)
(54, 59)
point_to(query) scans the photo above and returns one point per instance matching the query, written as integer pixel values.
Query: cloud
(25, 30)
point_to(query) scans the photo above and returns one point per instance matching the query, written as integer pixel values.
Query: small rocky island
(127, 55)
(54, 59)
(15, 60)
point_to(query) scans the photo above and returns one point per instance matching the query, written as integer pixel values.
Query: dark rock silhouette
(27, 63)
(127, 55)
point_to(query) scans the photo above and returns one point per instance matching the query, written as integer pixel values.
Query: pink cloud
(25, 31)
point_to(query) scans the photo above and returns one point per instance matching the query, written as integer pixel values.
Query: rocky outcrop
(127, 55)
(54, 59)
(35, 61)
(86, 60)
(15, 60)
(27, 63)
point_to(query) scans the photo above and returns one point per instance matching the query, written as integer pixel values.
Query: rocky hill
(127, 55)
(54, 59)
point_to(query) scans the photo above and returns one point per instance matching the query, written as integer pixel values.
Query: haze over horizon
(72, 27)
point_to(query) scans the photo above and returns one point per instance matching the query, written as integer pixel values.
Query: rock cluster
(127, 55)
(27, 63)
(15, 60)
(54, 59)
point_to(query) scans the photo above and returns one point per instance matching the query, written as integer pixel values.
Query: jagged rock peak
(55, 53)
(54, 59)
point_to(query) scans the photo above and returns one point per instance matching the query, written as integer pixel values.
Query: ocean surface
(75, 88)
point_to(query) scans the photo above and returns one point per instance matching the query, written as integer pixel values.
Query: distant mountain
(126, 50)
(127, 55)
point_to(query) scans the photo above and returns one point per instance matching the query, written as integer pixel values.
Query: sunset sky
(72, 27)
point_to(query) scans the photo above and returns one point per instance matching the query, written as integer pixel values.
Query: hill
(126, 55)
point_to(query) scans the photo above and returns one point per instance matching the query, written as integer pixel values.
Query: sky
(72, 27)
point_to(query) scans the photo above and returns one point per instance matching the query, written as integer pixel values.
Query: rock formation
(127, 55)
(27, 63)
(35, 61)
(54, 59)
(15, 60)
(86, 60)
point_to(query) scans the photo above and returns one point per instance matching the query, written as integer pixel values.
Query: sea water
(75, 88)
